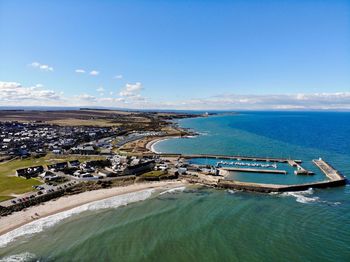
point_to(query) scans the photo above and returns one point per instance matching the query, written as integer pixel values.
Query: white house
(48, 176)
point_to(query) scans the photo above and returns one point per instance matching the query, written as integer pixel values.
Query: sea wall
(267, 188)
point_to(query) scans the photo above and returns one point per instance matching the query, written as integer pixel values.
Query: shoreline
(147, 143)
(150, 144)
(56, 206)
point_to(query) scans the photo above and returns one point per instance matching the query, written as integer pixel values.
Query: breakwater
(328, 170)
(268, 188)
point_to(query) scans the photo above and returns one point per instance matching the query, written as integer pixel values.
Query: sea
(195, 223)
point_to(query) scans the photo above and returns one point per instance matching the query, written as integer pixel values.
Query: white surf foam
(230, 191)
(46, 222)
(173, 190)
(302, 196)
(19, 257)
(305, 197)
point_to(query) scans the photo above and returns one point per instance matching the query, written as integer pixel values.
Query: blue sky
(176, 54)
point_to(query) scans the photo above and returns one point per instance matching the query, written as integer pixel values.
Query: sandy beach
(150, 144)
(30, 214)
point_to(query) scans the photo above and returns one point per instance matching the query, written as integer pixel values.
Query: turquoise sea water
(201, 224)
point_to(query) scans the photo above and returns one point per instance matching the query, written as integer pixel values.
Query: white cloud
(35, 64)
(80, 71)
(86, 97)
(102, 101)
(119, 99)
(340, 100)
(94, 73)
(118, 77)
(112, 101)
(15, 92)
(131, 90)
(100, 89)
(42, 67)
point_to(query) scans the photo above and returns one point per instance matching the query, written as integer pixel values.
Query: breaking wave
(302, 196)
(173, 190)
(23, 257)
(46, 222)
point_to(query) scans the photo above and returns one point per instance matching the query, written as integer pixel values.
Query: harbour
(222, 170)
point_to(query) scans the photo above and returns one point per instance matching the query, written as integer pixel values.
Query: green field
(10, 184)
(3, 198)
(156, 173)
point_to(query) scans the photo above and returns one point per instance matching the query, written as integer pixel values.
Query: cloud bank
(13, 93)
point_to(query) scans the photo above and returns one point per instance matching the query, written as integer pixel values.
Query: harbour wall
(268, 188)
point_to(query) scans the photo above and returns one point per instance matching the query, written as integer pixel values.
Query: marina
(224, 163)
(252, 164)
(335, 179)
(253, 170)
(239, 158)
(222, 169)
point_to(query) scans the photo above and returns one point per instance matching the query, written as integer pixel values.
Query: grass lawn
(155, 173)
(10, 184)
(3, 198)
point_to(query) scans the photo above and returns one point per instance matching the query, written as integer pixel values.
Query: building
(107, 173)
(49, 176)
(74, 163)
(58, 166)
(84, 150)
(29, 172)
(140, 168)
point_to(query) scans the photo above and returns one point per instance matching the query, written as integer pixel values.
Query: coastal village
(41, 158)
(64, 160)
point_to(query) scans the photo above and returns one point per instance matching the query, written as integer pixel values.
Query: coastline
(21, 218)
(146, 144)
(150, 144)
